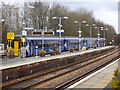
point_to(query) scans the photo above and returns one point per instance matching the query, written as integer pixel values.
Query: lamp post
(104, 35)
(98, 37)
(24, 33)
(80, 32)
(60, 26)
(90, 32)
(42, 39)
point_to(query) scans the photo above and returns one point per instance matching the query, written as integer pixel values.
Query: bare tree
(41, 15)
(37, 15)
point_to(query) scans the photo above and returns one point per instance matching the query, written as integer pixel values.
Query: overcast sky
(103, 10)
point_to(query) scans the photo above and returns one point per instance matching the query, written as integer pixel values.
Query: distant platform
(16, 62)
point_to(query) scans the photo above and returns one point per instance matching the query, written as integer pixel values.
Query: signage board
(10, 36)
(98, 34)
(59, 31)
(79, 31)
(49, 33)
(24, 33)
(28, 28)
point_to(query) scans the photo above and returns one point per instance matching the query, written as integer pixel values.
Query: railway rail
(71, 82)
(40, 81)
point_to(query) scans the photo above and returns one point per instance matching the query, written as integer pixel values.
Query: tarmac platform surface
(99, 79)
(10, 63)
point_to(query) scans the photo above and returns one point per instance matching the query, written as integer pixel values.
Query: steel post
(42, 39)
(90, 37)
(60, 34)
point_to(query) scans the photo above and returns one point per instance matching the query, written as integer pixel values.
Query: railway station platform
(100, 79)
(11, 63)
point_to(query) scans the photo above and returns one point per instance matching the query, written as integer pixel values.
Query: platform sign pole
(60, 34)
(10, 42)
(23, 31)
(79, 39)
(59, 18)
(42, 39)
(36, 51)
(104, 37)
(79, 36)
(23, 49)
(98, 38)
(90, 37)
(23, 41)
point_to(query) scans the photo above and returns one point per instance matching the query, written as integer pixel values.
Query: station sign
(49, 33)
(79, 31)
(98, 34)
(36, 32)
(24, 33)
(10, 36)
(59, 31)
(29, 29)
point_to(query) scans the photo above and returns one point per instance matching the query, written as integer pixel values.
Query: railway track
(71, 82)
(38, 80)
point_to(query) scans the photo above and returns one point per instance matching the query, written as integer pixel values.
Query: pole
(1, 31)
(42, 39)
(90, 36)
(79, 37)
(104, 38)
(36, 51)
(98, 37)
(31, 49)
(60, 35)
(23, 30)
(10, 42)
(1, 36)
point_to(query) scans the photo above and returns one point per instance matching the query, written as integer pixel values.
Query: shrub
(94, 46)
(52, 53)
(57, 51)
(4, 55)
(42, 53)
(115, 72)
(11, 53)
(115, 83)
(5, 52)
(71, 49)
(77, 49)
